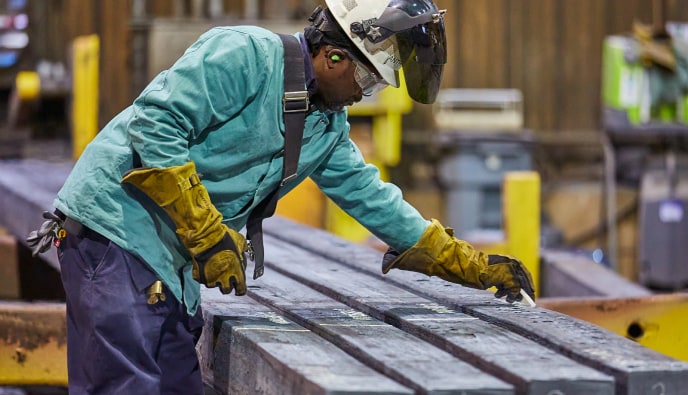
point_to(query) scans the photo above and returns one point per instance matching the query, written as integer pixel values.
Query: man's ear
(334, 56)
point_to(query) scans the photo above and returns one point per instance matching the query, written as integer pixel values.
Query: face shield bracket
(392, 21)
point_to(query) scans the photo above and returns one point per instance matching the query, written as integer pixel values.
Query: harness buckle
(296, 101)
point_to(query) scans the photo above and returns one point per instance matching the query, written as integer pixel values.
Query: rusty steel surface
(33, 339)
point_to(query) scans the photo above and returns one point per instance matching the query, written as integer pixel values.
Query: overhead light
(20, 21)
(14, 40)
(8, 58)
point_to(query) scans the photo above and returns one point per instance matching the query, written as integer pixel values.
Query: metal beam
(27, 188)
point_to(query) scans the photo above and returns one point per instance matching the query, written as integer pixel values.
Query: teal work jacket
(220, 105)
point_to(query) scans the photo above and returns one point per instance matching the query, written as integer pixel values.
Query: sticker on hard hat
(394, 61)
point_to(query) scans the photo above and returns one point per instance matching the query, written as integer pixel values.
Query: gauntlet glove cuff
(217, 251)
(439, 253)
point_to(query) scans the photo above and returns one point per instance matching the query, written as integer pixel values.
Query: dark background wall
(549, 49)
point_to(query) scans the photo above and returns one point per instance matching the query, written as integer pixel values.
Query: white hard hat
(395, 35)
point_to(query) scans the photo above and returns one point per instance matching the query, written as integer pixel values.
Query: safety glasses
(369, 81)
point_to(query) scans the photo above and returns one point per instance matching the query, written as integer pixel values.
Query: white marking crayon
(527, 298)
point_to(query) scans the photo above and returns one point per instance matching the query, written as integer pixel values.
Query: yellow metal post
(28, 85)
(27, 90)
(387, 128)
(521, 208)
(85, 92)
(520, 222)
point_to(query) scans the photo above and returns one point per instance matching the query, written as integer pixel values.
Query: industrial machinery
(645, 144)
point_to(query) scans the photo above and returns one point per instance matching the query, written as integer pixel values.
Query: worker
(158, 201)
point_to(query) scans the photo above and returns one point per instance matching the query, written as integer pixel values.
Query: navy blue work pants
(117, 343)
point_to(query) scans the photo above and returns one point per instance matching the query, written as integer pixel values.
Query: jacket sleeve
(209, 84)
(379, 206)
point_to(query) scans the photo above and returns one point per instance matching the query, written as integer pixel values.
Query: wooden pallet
(323, 310)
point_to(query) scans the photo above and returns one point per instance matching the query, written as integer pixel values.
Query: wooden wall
(550, 49)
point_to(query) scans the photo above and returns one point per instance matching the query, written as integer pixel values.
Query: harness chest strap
(294, 107)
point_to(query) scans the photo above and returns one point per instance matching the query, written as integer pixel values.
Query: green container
(682, 115)
(665, 113)
(623, 84)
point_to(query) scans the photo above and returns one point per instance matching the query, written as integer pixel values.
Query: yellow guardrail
(658, 322)
(33, 344)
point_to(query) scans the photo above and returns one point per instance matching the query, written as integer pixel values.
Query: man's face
(337, 86)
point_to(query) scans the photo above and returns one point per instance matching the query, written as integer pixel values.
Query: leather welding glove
(439, 253)
(217, 250)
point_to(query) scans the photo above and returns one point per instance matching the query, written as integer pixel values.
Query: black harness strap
(294, 107)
